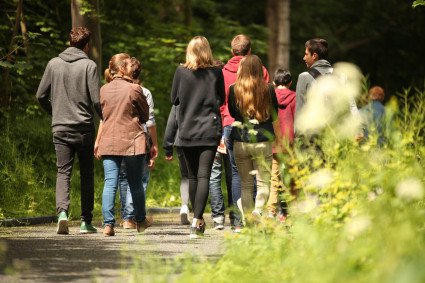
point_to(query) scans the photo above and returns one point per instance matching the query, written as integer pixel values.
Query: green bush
(358, 217)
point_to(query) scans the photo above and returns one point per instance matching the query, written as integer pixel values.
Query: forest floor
(37, 254)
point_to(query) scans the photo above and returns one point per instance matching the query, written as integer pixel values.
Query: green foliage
(418, 3)
(358, 217)
(24, 168)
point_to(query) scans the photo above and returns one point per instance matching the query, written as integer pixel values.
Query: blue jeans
(135, 166)
(127, 208)
(236, 180)
(216, 195)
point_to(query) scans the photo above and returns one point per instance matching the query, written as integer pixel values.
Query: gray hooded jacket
(305, 80)
(69, 90)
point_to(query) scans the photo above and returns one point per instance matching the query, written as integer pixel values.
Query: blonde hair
(117, 62)
(251, 91)
(198, 54)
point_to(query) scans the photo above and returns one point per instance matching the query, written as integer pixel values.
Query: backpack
(314, 73)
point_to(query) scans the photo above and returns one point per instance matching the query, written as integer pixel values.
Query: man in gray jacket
(315, 57)
(69, 90)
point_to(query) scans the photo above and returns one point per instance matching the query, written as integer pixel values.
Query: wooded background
(385, 38)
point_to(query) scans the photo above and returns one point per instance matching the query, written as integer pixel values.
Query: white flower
(307, 205)
(172, 198)
(252, 132)
(254, 121)
(253, 172)
(237, 124)
(371, 196)
(357, 225)
(321, 178)
(410, 189)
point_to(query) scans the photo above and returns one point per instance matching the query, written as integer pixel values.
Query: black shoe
(197, 231)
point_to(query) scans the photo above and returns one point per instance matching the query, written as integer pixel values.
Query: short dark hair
(79, 37)
(241, 44)
(318, 46)
(282, 77)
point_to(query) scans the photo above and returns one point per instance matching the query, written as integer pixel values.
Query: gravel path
(37, 254)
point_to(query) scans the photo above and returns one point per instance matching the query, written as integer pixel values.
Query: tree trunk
(6, 89)
(278, 12)
(188, 12)
(91, 21)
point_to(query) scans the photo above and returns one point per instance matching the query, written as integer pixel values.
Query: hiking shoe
(108, 231)
(198, 230)
(142, 226)
(238, 229)
(86, 228)
(218, 226)
(62, 223)
(184, 219)
(129, 224)
(218, 222)
(282, 218)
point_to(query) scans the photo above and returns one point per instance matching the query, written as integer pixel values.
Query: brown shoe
(108, 231)
(142, 226)
(129, 224)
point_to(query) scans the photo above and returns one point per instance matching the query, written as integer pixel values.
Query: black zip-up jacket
(199, 95)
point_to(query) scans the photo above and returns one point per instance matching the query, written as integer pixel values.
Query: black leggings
(199, 160)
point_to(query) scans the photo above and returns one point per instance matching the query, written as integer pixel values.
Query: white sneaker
(184, 215)
(218, 222)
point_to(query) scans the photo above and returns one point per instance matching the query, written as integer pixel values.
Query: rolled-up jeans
(134, 168)
(67, 144)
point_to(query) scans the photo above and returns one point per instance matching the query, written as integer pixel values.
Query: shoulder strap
(314, 73)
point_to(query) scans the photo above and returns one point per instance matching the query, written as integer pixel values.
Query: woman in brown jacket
(121, 139)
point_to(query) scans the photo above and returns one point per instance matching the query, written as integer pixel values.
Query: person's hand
(153, 152)
(169, 158)
(151, 164)
(96, 149)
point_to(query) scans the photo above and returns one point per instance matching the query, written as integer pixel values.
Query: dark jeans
(199, 160)
(67, 144)
(236, 180)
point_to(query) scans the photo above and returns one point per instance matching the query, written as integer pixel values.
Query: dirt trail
(37, 254)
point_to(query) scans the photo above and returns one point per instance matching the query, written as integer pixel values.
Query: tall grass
(358, 217)
(28, 170)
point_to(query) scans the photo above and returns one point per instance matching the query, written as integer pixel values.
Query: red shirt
(286, 100)
(230, 73)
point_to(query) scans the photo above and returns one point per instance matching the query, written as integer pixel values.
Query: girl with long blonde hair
(253, 104)
(198, 93)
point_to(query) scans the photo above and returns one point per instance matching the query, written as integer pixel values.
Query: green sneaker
(86, 228)
(62, 223)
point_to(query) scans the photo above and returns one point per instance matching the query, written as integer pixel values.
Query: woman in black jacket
(198, 90)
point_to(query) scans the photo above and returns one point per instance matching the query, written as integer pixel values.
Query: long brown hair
(117, 62)
(198, 54)
(251, 91)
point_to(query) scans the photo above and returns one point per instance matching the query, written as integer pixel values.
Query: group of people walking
(219, 113)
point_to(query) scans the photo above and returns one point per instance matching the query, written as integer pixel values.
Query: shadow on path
(38, 254)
